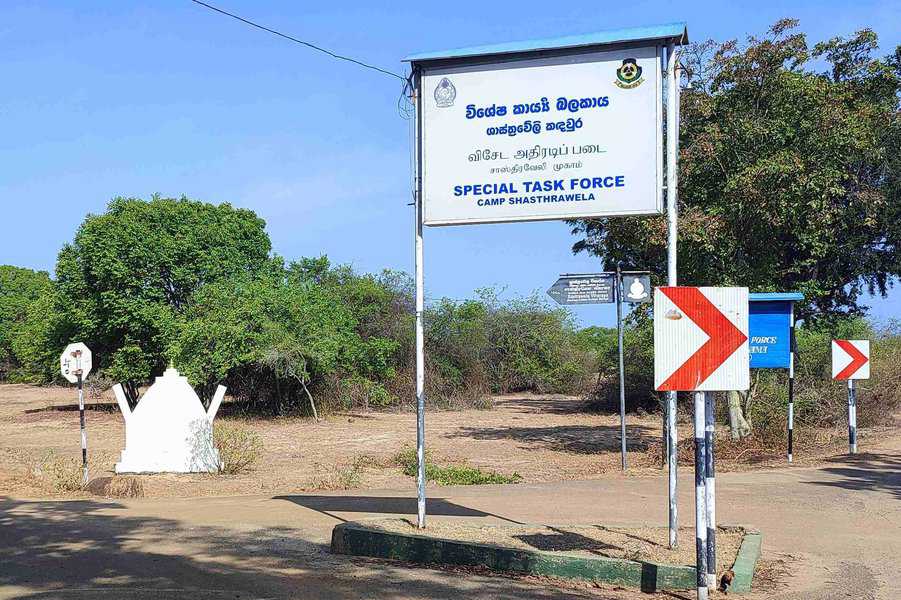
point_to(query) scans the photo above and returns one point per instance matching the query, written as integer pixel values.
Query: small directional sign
(850, 359)
(701, 339)
(75, 360)
(637, 288)
(596, 288)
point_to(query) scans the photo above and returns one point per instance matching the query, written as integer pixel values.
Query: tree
(789, 176)
(19, 290)
(269, 339)
(130, 272)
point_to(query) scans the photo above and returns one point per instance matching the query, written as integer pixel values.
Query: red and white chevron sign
(850, 359)
(701, 339)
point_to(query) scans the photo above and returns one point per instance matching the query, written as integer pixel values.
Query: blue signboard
(769, 324)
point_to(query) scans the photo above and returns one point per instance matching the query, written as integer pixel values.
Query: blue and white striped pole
(710, 486)
(700, 496)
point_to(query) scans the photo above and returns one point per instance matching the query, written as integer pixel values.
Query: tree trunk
(737, 423)
(310, 398)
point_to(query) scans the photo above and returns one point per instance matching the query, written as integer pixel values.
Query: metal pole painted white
(852, 417)
(420, 307)
(791, 383)
(672, 197)
(84, 434)
(710, 485)
(622, 378)
(700, 496)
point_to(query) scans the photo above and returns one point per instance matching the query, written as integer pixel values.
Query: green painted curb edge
(359, 540)
(746, 562)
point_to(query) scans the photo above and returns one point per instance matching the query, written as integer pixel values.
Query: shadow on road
(90, 549)
(578, 439)
(390, 505)
(870, 471)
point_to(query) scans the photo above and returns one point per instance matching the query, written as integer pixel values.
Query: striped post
(84, 435)
(700, 496)
(852, 417)
(710, 486)
(791, 381)
(672, 454)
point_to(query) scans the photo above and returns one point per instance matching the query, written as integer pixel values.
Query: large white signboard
(551, 138)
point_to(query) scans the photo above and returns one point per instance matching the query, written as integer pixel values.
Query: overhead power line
(297, 41)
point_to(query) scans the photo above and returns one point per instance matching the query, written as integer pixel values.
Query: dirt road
(836, 529)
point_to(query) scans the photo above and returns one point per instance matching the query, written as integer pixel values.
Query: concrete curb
(359, 540)
(746, 562)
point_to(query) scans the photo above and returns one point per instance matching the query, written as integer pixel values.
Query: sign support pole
(618, 295)
(672, 198)
(791, 382)
(700, 495)
(852, 417)
(84, 435)
(420, 307)
(710, 485)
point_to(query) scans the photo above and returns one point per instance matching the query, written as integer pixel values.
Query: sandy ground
(831, 524)
(630, 543)
(542, 438)
(829, 533)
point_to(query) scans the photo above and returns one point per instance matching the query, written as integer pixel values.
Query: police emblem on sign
(628, 75)
(445, 93)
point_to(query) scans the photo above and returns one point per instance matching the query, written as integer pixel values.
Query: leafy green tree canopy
(790, 175)
(19, 289)
(132, 270)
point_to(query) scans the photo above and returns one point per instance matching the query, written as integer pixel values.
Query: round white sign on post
(75, 360)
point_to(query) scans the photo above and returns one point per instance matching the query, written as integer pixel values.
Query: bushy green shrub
(507, 345)
(638, 362)
(820, 401)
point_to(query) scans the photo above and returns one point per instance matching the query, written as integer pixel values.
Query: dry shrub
(344, 477)
(120, 486)
(239, 447)
(97, 385)
(64, 473)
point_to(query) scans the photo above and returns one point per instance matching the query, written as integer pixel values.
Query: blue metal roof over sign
(776, 297)
(675, 32)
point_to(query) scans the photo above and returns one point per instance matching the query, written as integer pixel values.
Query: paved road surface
(840, 524)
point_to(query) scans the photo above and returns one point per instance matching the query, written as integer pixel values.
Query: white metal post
(420, 306)
(672, 198)
(700, 496)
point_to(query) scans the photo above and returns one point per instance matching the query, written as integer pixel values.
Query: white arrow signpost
(701, 345)
(75, 364)
(850, 361)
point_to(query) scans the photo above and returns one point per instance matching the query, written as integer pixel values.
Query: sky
(102, 99)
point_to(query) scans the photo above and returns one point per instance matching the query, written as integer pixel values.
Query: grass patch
(407, 460)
